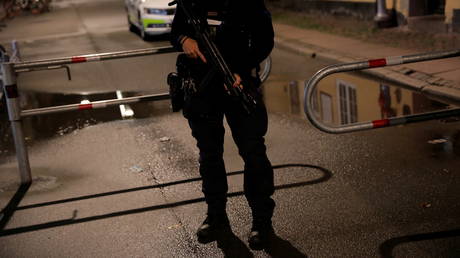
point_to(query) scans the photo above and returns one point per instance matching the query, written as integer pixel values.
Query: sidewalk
(438, 79)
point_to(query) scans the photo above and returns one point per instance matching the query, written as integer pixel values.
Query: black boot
(260, 234)
(262, 230)
(212, 226)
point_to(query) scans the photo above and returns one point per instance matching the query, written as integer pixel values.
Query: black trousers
(205, 116)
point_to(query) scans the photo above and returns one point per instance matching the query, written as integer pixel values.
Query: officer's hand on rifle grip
(237, 82)
(191, 49)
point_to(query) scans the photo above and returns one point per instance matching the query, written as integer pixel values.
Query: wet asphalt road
(385, 192)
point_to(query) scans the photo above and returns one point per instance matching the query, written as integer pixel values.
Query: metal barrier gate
(11, 66)
(368, 64)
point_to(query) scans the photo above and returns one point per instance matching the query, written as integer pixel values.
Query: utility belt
(191, 77)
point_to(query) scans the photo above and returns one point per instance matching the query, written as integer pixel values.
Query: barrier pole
(310, 85)
(16, 54)
(14, 114)
(93, 105)
(93, 57)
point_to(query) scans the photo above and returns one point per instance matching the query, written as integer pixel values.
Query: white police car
(150, 17)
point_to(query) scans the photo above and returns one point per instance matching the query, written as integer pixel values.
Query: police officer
(245, 38)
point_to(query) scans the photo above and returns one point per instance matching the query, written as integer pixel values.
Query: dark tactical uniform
(244, 38)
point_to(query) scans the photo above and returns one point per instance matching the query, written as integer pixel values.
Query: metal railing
(310, 85)
(10, 67)
(92, 58)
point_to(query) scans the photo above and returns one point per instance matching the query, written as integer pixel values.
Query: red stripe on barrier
(377, 62)
(380, 123)
(78, 59)
(85, 106)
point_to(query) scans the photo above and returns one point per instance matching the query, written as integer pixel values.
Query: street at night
(124, 181)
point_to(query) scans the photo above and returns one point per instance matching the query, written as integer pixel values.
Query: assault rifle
(212, 53)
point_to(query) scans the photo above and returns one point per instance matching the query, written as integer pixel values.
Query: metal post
(382, 14)
(382, 18)
(16, 54)
(14, 113)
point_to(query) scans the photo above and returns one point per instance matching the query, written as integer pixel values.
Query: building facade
(419, 15)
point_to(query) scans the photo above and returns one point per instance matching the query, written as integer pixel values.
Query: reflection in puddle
(46, 126)
(347, 98)
(342, 99)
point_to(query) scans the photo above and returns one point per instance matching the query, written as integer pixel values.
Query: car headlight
(155, 11)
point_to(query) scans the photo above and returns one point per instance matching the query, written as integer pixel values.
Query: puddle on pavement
(340, 99)
(346, 98)
(50, 125)
(446, 143)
